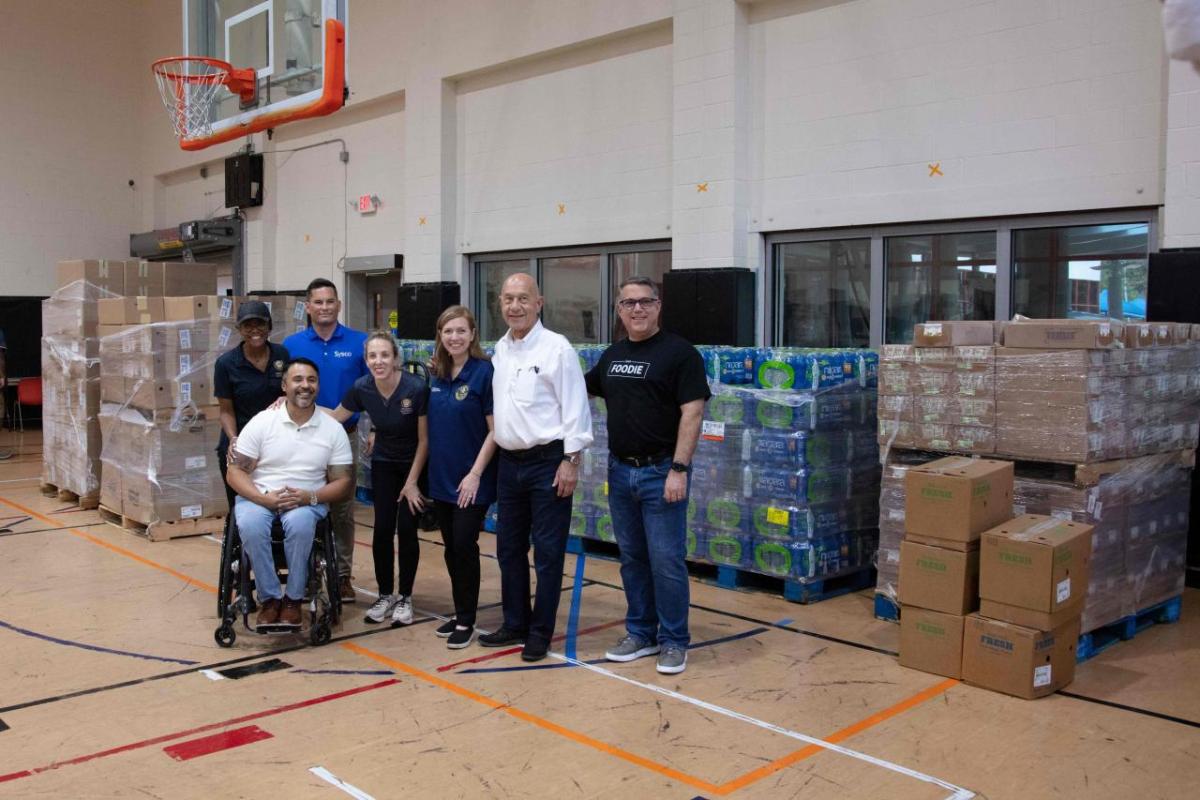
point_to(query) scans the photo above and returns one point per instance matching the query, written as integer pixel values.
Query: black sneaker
(534, 651)
(502, 638)
(460, 638)
(445, 629)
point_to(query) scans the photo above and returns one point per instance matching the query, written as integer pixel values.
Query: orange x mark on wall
(702, 187)
(935, 169)
(420, 220)
(562, 209)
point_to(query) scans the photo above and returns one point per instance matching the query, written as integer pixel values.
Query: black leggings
(460, 533)
(393, 519)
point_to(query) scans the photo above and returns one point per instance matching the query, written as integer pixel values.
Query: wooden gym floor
(110, 688)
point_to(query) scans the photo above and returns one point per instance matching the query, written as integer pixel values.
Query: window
(1081, 271)
(824, 293)
(578, 285)
(490, 276)
(938, 277)
(571, 290)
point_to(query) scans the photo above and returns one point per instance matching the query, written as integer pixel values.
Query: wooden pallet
(163, 531)
(88, 501)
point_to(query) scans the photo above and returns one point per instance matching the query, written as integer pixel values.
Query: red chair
(29, 393)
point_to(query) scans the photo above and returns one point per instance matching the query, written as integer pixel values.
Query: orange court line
(722, 789)
(540, 722)
(115, 548)
(835, 738)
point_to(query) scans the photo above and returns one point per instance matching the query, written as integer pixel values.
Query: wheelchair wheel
(320, 633)
(226, 580)
(225, 635)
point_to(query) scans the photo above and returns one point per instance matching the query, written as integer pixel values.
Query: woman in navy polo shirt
(396, 401)
(462, 470)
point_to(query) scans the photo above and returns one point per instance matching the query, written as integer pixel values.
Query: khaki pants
(342, 515)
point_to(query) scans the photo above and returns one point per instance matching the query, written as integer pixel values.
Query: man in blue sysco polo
(338, 353)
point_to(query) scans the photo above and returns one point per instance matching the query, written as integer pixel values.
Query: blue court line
(345, 671)
(785, 621)
(95, 648)
(696, 646)
(576, 596)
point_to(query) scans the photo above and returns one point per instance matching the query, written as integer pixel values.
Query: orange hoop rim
(239, 81)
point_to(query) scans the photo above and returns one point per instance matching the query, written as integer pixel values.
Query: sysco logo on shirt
(628, 369)
(343, 354)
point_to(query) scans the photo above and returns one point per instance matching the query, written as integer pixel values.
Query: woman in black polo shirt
(462, 471)
(247, 379)
(396, 402)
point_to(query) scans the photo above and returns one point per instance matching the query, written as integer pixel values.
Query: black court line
(3, 726)
(52, 530)
(257, 668)
(1122, 707)
(230, 662)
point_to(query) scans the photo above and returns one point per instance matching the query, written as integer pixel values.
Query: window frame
(607, 318)
(771, 321)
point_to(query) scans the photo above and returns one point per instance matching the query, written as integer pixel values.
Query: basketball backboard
(286, 42)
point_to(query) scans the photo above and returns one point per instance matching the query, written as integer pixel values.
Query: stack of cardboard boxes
(71, 376)
(1027, 577)
(949, 503)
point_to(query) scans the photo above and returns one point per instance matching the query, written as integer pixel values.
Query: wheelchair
(236, 586)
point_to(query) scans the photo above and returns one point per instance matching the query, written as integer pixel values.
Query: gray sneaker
(630, 648)
(672, 660)
(382, 608)
(403, 612)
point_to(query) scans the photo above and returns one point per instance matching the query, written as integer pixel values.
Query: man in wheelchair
(290, 463)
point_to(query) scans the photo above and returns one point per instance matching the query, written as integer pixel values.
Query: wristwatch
(312, 498)
(678, 466)
(571, 458)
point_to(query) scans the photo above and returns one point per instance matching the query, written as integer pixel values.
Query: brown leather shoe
(346, 589)
(268, 613)
(291, 613)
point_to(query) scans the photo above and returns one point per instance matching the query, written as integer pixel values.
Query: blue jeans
(652, 536)
(299, 525)
(530, 510)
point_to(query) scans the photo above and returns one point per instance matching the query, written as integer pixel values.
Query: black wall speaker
(1173, 295)
(710, 306)
(418, 306)
(244, 181)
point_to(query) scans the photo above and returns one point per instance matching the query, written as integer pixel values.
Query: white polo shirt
(538, 393)
(293, 455)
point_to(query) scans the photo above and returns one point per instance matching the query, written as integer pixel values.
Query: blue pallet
(579, 545)
(1095, 642)
(796, 591)
(886, 608)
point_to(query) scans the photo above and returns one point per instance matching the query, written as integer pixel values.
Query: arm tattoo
(244, 462)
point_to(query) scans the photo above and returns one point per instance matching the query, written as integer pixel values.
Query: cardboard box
(187, 280)
(109, 275)
(945, 544)
(976, 439)
(212, 308)
(130, 310)
(896, 434)
(167, 394)
(143, 278)
(1038, 563)
(1071, 334)
(948, 334)
(931, 641)
(938, 579)
(953, 410)
(958, 498)
(1140, 334)
(1016, 660)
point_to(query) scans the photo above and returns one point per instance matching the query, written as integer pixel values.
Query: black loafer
(502, 638)
(534, 651)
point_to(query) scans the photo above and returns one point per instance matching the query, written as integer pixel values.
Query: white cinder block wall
(709, 122)
(68, 138)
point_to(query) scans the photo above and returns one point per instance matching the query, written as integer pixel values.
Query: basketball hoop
(188, 86)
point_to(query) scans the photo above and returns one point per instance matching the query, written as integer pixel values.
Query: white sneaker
(403, 610)
(382, 608)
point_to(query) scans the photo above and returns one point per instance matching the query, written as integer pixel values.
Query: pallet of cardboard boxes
(1099, 418)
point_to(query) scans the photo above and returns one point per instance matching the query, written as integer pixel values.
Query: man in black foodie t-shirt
(655, 388)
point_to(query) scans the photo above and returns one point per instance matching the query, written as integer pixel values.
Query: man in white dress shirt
(542, 423)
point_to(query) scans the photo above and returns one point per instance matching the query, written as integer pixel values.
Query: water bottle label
(777, 516)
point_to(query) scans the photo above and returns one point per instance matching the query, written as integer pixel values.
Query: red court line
(125, 748)
(508, 651)
(226, 740)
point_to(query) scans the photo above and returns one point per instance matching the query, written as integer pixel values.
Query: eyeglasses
(640, 302)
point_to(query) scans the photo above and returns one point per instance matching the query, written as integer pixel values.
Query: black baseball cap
(254, 309)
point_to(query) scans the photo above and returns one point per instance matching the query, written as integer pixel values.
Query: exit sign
(366, 203)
